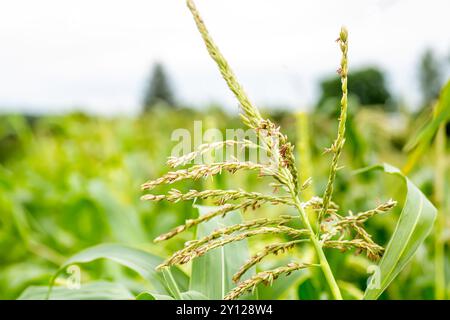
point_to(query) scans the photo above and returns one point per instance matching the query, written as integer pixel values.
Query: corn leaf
(193, 295)
(442, 114)
(421, 142)
(140, 261)
(414, 224)
(189, 295)
(211, 273)
(152, 296)
(90, 291)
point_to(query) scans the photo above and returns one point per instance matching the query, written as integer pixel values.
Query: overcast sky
(57, 55)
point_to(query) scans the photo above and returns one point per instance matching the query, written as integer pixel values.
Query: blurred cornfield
(69, 182)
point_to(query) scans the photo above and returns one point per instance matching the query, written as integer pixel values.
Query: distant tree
(368, 84)
(430, 76)
(159, 89)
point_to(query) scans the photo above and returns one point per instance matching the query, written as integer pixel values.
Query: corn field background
(71, 182)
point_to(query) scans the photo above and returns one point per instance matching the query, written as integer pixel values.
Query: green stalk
(439, 245)
(334, 288)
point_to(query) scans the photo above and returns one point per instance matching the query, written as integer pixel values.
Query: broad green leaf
(441, 114)
(193, 295)
(414, 224)
(212, 273)
(140, 261)
(152, 296)
(189, 295)
(89, 291)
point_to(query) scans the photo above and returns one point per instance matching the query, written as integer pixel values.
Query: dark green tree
(368, 84)
(159, 89)
(430, 76)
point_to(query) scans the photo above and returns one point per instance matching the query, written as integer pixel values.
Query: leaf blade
(415, 223)
(212, 273)
(90, 291)
(421, 142)
(142, 262)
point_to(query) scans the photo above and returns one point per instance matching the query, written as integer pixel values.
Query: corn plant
(335, 230)
(318, 221)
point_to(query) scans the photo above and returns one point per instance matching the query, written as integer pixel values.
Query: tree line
(369, 85)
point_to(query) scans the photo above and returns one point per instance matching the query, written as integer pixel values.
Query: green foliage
(71, 182)
(368, 85)
(91, 291)
(49, 209)
(421, 141)
(139, 261)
